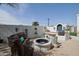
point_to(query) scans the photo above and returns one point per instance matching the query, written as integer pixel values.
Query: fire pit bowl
(42, 43)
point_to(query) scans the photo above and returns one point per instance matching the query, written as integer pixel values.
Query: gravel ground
(4, 50)
(68, 48)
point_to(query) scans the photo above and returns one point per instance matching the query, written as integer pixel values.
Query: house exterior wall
(31, 31)
(54, 28)
(7, 30)
(77, 24)
(73, 29)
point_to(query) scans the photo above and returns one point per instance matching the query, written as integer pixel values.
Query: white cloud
(22, 8)
(6, 18)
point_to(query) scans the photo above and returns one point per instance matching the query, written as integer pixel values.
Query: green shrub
(73, 33)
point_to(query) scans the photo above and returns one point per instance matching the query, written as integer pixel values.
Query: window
(16, 29)
(59, 27)
(35, 28)
(26, 31)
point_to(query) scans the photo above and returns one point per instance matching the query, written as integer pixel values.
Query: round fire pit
(42, 44)
(42, 41)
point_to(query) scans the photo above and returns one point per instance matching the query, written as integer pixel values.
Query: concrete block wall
(7, 30)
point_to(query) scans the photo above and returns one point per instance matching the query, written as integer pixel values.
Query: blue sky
(58, 13)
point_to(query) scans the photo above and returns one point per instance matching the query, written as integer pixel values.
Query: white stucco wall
(54, 28)
(51, 29)
(31, 31)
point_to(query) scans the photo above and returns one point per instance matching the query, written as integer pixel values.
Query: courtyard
(67, 48)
